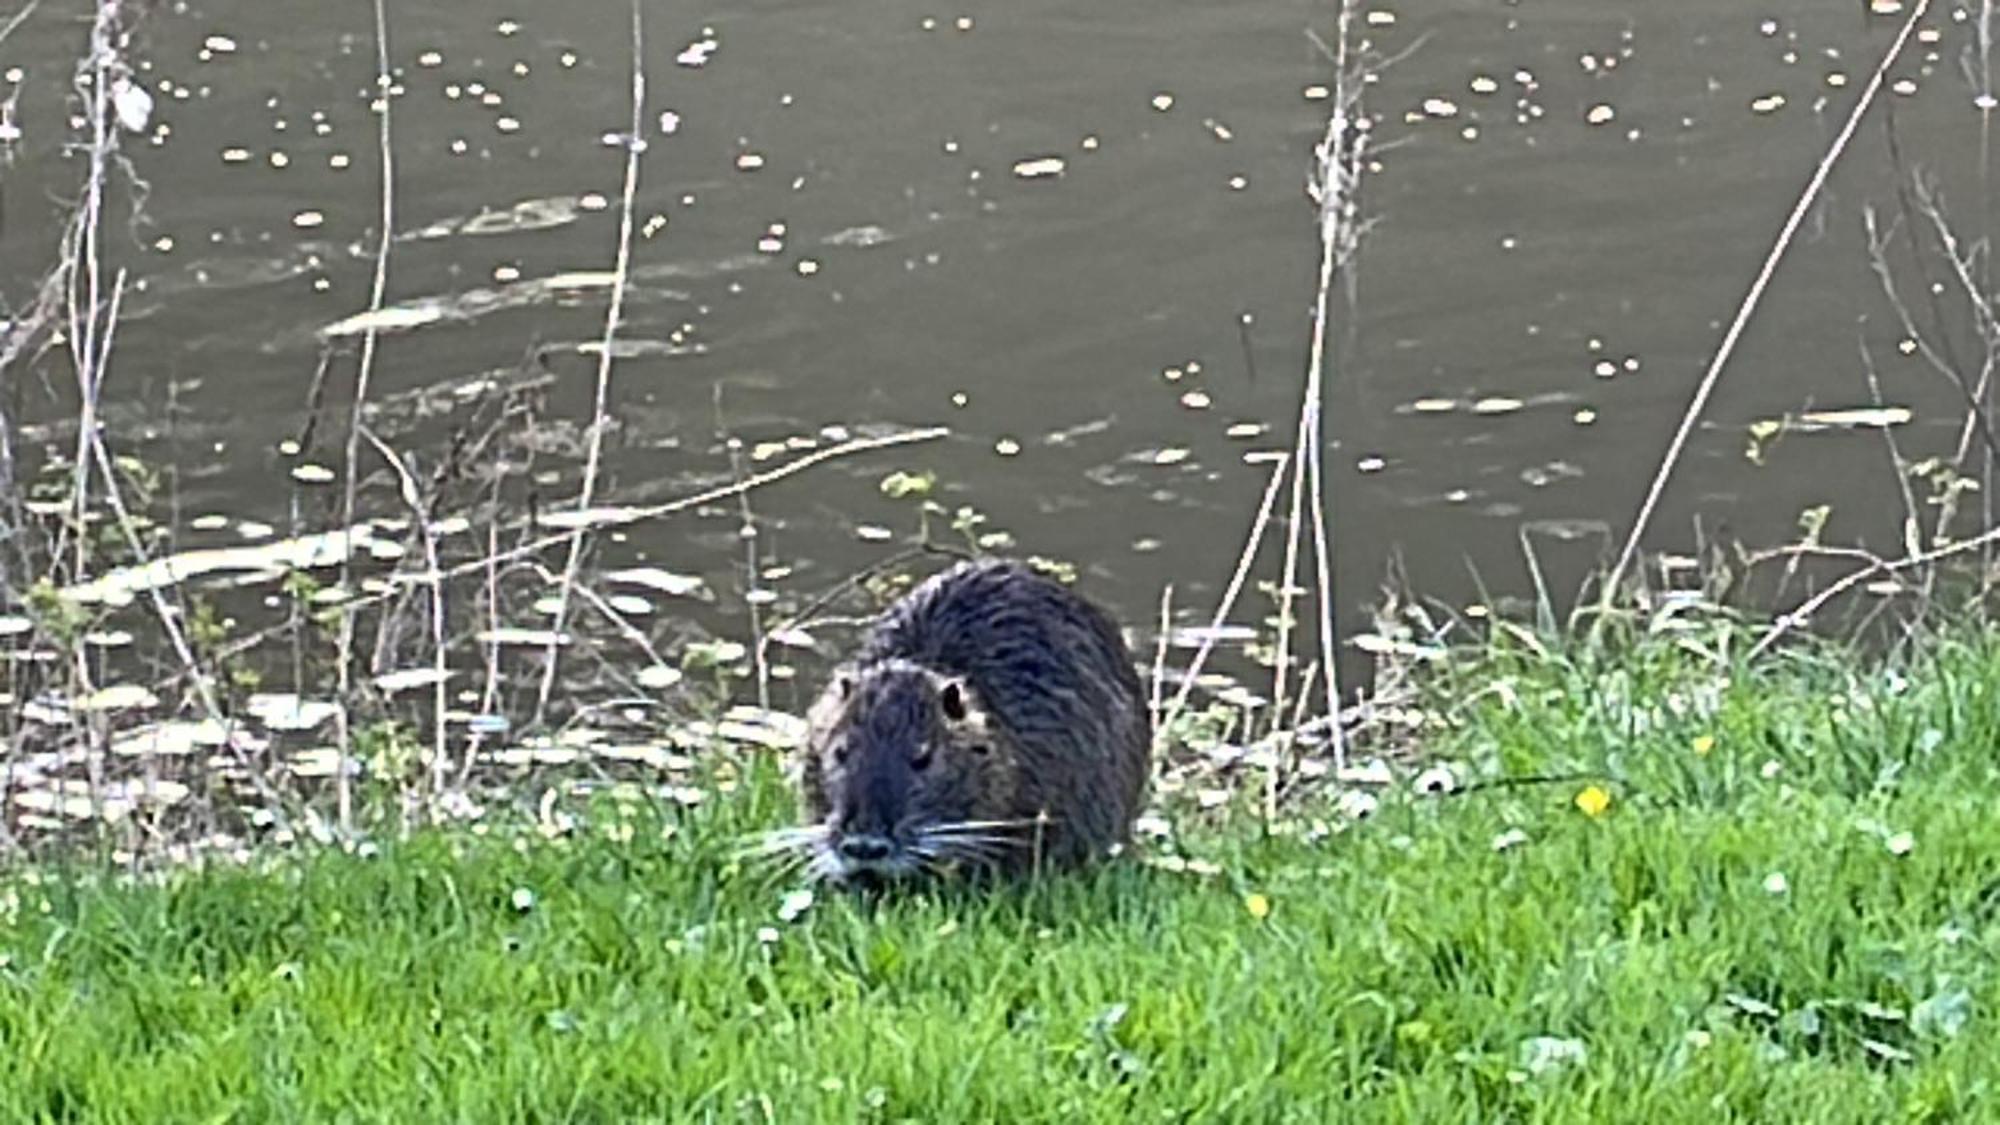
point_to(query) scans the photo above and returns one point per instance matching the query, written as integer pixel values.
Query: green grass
(1634, 966)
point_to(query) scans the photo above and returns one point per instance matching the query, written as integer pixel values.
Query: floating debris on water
(287, 711)
(573, 519)
(403, 679)
(515, 635)
(110, 801)
(1040, 167)
(1853, 418)
(118, 697)
(131, 104)
(713, 654)
(180, 737)
(697, 53)
(118, 587)
(665, 581)
(469, 304)
(659, 677)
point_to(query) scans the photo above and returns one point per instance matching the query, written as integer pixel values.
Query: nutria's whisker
(822, 867)
(981, 825)
(973, 839)
(972, 849)
(779, 841)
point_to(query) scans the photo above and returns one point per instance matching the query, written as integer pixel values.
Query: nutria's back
(992, 717)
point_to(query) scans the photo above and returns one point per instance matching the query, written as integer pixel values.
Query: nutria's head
(905, 772)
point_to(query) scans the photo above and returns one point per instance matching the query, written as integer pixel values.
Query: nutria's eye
(839, 753)
(922, 761)
(952, 699)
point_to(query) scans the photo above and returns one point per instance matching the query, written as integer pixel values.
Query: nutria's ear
(951, 697)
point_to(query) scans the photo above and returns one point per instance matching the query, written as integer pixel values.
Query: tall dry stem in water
(635, 143)
(344, 656)
(1751, 299)
(1335, 190)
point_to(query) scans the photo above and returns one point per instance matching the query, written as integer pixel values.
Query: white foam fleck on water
(288, 711)
(698, 53)
(118, 697)
(512, 635)
(1040, 167)
(403, 679)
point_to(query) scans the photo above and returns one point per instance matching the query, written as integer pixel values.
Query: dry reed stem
(1337, 171)
(490, 658)
(169, 620)
(1797, 617)
(419, 512)
(93, 321)
(1229, 595)
(1945, 366)
(1978, 66)
(1753, 298)
(1976, 291)
(752, 598)
(1912, 514)
(82, 267)
(20, 18)
(610, 613)
(809, 612)
(621, 272)
(379, 287)
(630, 516)
(1157, 688)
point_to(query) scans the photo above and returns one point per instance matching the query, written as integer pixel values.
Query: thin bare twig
(1754, 297)
(420, 514)
(634, 145)
(1806, 609)
(1159, 678)
(1228, 600)
(809, 612)
(20, 18)
(625, 517)
(344, 660)
(1334, 187)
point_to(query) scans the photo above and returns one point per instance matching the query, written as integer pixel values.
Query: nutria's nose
(864, 848)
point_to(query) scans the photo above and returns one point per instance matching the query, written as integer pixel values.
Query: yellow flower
(1703, 744)
(1258, 905)
(1593, 801)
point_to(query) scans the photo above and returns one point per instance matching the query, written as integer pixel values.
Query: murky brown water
(1532, 309)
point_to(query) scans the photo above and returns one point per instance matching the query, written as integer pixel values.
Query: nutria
(991, 720)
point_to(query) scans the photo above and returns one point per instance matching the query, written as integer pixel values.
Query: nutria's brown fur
(991, 719)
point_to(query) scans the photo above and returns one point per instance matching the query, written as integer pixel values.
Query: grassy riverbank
(1788, 910)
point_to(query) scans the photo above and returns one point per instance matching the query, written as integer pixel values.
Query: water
(1571, 199)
